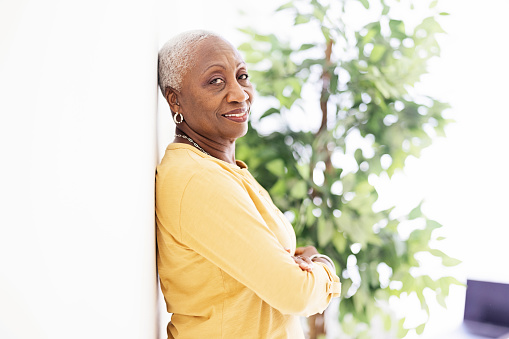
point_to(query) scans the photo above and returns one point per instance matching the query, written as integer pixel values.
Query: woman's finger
(304, 263)
(307, 260)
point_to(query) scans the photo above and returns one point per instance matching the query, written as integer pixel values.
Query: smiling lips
(237, 115)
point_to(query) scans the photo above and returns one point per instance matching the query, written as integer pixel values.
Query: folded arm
(219, 221)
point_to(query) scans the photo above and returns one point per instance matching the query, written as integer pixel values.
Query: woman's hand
(306, 251)
(302, 255)
(309, 251)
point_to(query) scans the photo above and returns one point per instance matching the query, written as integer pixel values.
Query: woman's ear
(171, 96)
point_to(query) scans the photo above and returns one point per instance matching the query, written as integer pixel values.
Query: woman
(227, 257)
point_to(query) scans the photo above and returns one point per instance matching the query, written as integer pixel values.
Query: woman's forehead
(216, 51)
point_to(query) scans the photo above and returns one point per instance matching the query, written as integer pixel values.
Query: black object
(487, 308)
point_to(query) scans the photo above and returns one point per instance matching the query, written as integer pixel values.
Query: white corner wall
(78, 152)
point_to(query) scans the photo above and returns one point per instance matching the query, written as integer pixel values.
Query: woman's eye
(243, 77)
(217, 81)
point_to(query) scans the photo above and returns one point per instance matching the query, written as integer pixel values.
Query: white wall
(78, 153)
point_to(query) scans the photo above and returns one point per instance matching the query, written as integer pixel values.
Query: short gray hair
(177, 56)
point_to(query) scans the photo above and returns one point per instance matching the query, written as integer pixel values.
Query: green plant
(367, 120)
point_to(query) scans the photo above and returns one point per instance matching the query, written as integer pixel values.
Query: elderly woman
(227, 257)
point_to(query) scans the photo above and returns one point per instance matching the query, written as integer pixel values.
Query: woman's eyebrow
(241, 63)
(214, 65)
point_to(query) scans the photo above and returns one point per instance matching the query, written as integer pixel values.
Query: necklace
(192, 141)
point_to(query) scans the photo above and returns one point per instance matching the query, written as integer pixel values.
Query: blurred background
(461, 177)
(82, 126)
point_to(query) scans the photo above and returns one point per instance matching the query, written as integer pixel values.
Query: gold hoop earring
(177, 120)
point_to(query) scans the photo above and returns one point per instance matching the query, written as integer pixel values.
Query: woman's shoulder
(182, 163)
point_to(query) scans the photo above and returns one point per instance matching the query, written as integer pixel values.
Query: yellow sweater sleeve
(219, 221)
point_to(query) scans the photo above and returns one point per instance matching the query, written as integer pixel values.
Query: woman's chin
(244, 129)
(239, 131)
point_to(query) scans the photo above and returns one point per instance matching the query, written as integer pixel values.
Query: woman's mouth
(238, 115)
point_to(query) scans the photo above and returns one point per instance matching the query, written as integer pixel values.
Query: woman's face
(216, 93)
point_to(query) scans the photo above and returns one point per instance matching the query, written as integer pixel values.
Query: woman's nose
(237, 93)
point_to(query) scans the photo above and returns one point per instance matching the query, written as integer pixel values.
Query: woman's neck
(222, 151)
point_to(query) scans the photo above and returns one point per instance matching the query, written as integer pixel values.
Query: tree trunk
(316, 326)
(324, 98)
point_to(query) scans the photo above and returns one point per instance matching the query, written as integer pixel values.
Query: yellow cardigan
(222, 259)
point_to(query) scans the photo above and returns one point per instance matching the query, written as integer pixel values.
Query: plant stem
(324, 98)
